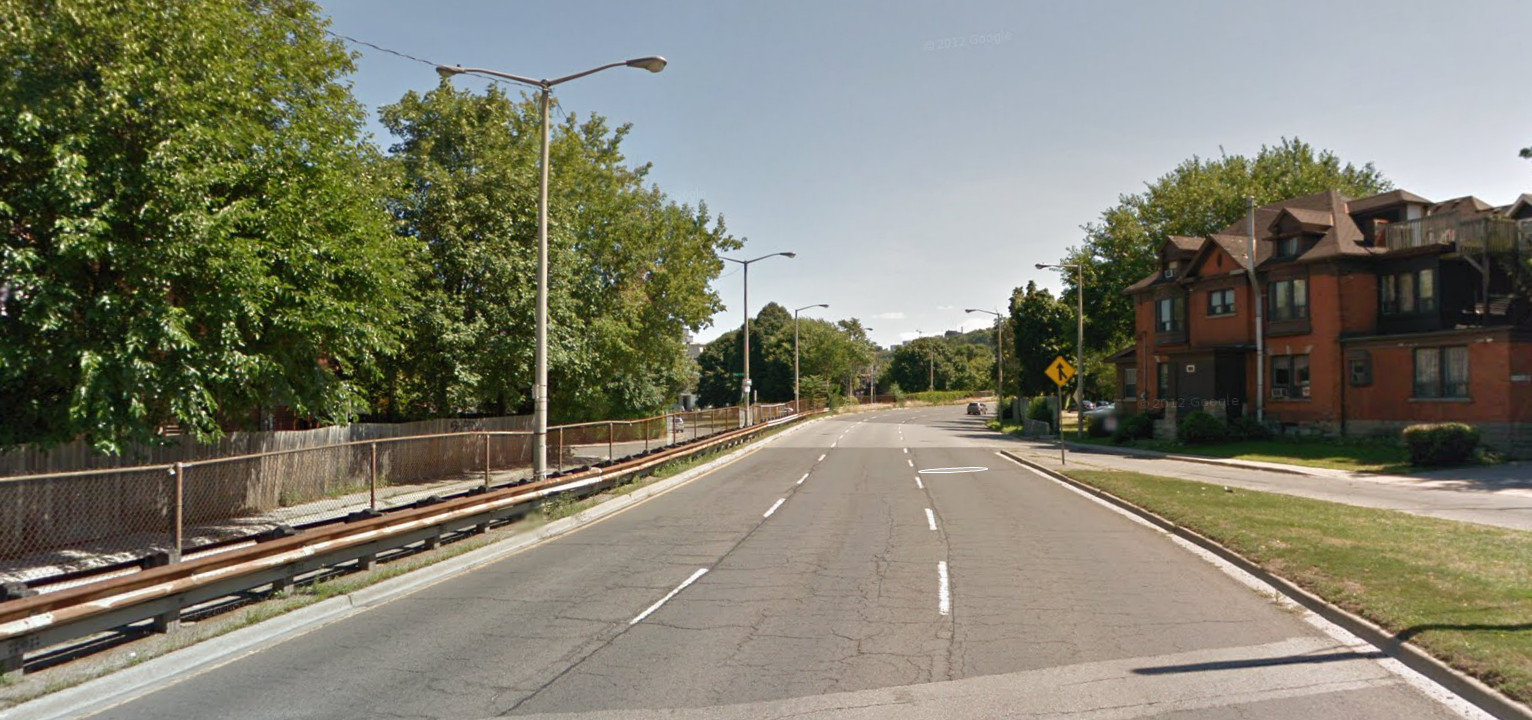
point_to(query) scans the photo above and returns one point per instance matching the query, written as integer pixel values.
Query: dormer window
(1288, 247)
(1172, 269)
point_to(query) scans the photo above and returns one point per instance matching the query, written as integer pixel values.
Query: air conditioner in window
(1305, 391)
(1279, 393)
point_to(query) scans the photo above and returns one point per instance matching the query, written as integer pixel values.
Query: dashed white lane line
(918, 483)
(931, 519)
(800, 480)
(821, 458)
(833, 444)
(906, 451)
(774, 507)
(911, 462)
(679, 588)
(943, 595)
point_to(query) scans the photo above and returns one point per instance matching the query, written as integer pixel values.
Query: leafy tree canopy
(193, 228)
(831, 356)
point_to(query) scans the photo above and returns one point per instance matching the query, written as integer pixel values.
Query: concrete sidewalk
(1498, 495)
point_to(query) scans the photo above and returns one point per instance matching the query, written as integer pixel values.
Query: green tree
(629, 269)
(1199, 197)
(915, 363)
(194, 226)
(831, 355)
(1044, 328)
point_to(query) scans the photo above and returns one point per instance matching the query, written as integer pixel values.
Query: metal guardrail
(65, 527)
(161, 593)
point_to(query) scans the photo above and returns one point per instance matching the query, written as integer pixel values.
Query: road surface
(830, 574)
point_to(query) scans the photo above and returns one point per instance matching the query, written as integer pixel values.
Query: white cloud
(908, 336)
(889, 316)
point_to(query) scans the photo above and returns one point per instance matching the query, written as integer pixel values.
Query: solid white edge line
(800, 480)
(700, 572)
(821, 459)
(1447, 698)
(774, 507)
(943, 595)
(918, 483)
(931, 519)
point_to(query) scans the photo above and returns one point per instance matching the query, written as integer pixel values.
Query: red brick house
(1379, 312)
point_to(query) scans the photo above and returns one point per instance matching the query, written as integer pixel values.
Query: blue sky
(921, 157)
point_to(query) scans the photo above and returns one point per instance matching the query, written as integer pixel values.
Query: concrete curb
(136, 681)
(1455, 681)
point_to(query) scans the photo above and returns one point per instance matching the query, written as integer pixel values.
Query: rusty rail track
(161, 593)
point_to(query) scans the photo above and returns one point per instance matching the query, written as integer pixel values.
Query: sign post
(1060, 372)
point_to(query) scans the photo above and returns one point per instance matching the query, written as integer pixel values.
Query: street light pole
(653, 64)
(1079, 269)
(999, 356)
(796, 407)
(745, 382)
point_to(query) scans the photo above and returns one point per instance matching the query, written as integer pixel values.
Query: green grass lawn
(1461, 591)
(1357, 455)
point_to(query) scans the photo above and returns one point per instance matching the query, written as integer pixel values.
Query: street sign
(1060, 371)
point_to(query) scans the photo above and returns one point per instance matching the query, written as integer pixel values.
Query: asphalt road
(817, 577)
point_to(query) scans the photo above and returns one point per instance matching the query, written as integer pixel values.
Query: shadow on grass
(1406, 634)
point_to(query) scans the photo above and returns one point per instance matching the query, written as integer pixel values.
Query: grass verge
(1355, 455)
(1462, 592)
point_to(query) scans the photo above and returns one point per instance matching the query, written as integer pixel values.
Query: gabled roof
(1521, 205)
(1184, 244)
(1383, 200)
(1467, 205)
(1311, 221)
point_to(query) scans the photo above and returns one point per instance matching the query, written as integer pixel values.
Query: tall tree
(629, 268)
(193, 225)
(1199, 197)
(1044, 329)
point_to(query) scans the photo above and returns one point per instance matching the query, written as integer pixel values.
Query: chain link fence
(57, 524)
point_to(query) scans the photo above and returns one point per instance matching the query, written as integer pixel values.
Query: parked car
(975, 408)
(1101, 410)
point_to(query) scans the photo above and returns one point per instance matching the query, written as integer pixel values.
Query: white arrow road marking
(682, 586)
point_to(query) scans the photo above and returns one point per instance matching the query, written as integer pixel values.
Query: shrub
(1139, 426)
(1096, 428)
(1248, 428)
(1038, 410)
(1440, 443)
(1200, 428)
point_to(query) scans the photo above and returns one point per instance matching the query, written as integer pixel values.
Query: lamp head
(447, 71)
(788, 254)
(653, 63)
(1043, 266)
(969, 310)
